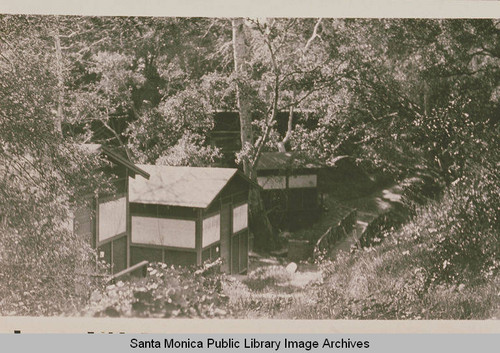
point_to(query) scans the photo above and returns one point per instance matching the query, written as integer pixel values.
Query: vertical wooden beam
(93, 215)
(128, 217)
(288, 194)
(96, 222)
(112, 257)
(231, 238)
(199, 237)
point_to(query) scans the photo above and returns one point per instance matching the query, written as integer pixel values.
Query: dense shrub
(416, 192)
(166, 291)
(45, 269)
(465, 228)
(45, 272)
(382, 226)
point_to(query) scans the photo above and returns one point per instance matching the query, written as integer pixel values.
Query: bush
(166, 291)
(465, 228)
(45, 272)
(45, 268)
(382, 226)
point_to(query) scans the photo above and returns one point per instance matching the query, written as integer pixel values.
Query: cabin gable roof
(180, 186)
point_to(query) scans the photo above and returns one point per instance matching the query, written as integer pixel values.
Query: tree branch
(314, 35)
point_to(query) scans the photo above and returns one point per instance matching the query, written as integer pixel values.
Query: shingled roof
(180, 186)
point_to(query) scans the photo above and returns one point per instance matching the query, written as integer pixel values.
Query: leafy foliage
(413, 97)
(466, 230)
(175, 132)
(46, 269)
(166, 291)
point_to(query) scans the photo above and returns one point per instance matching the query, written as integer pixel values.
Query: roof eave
(155, 202)
(125, 162)
(240, 174)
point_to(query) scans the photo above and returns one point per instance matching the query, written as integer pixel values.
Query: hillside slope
(442, 264)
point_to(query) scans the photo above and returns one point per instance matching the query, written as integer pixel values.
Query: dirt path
(368, 208)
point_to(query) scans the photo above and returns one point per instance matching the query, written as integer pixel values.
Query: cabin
(106, 223)
(225, 133)
(289, 189)
(188, 215)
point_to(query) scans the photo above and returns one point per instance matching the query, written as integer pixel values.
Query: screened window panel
(211, 230)
(112, 218)
(272, 182)
(163, 231)
(240, 218)
(302, 181)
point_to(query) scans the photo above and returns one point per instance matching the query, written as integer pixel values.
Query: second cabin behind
(290, 189)
(187, 215)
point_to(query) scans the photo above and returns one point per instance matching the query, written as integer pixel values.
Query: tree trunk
(241, 69)
(261, 227)
(281, 145)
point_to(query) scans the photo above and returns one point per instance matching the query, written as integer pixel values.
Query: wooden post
(199, 237)
(128, 219)
(94, 213)
(96, 237)
(288, 194)
(231, 238)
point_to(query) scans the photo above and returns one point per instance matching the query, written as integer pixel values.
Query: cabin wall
(105, 222)
(177, 233)
(227, 217)
(293, 199)
(163, 234)
(169, 256)
(112, 231)
(205, 229)
(112, 215)
(210, 230)
(240, 217)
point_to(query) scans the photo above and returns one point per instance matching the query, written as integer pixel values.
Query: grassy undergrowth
(269, 292)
